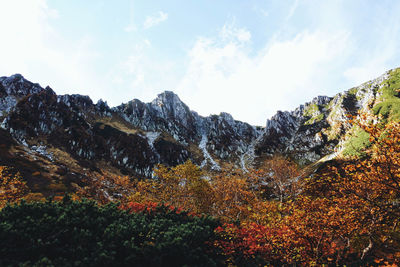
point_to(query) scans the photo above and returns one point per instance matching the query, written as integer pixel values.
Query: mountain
(320, 128)
(65, 137)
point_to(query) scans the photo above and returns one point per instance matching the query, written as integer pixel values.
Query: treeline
(346, 214)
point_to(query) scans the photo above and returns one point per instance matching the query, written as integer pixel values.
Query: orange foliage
(347, 215)
(106, 188)
(361, 198)
(181, 186)
(184, 186)
(280, 178)
(35, 197)
(12, 186)
(236, 196)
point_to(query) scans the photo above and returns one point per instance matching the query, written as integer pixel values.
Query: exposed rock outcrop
(135, 136)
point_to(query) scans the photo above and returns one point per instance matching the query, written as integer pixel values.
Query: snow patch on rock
(249, 154)
(151, 137)
(207, 156)
(42, 150)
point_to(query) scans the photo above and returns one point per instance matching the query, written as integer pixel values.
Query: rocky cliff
(320, 127)
(131, 138)
(71, 134)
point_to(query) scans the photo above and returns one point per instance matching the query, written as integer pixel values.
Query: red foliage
(139, 207)
(272, 244)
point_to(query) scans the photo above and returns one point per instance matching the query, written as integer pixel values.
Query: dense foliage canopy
(72, 233)
(347, 213)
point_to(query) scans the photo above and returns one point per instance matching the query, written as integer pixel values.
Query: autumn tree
(12, 186)
(280, 177)
(375, 180)
(363, 195)
(105, 188)
(234, 195)
(182, 186)
(345, 214)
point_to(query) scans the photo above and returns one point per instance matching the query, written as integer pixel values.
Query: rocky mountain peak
(15, 78)
(17, 85)
(227, 117)
(321, 100)
(14, 88)
(103, 108)
(281, 122)
(319, 127)
(169, 106)
(76, 100)
(135, 136)
(167, 97)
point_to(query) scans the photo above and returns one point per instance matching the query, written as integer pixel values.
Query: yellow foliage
(12, 186)
(34, 197)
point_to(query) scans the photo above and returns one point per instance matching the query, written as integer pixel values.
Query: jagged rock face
(296, 133)
(168, 106)
(163, 131)
(14, 88)
(62, 122)
(169, 150)
(135, 136)
(68, 123)
(17, 86)
(165, 113)
(315, 129)
(78, 103)
(226, 138)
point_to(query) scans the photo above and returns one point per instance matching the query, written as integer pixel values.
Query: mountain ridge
(71, 134)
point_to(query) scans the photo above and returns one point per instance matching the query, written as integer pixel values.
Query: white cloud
(292, 9)
(224, 76)
(143, 75)
(130, 28)
(231, 33)
(33, 47)
(378, 58)
(221, 73)
(361, 74)
(375, 64)
(154, 20)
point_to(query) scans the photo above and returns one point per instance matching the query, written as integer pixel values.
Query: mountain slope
(66, 137)
(320, 127)
(128, 139)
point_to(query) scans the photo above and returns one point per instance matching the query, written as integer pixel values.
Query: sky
(249, 58)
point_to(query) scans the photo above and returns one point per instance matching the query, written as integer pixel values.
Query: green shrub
(389, 105)
(357, 142)
(313, 113)
(71, 233)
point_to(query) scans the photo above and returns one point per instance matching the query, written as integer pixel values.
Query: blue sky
(246, 57)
